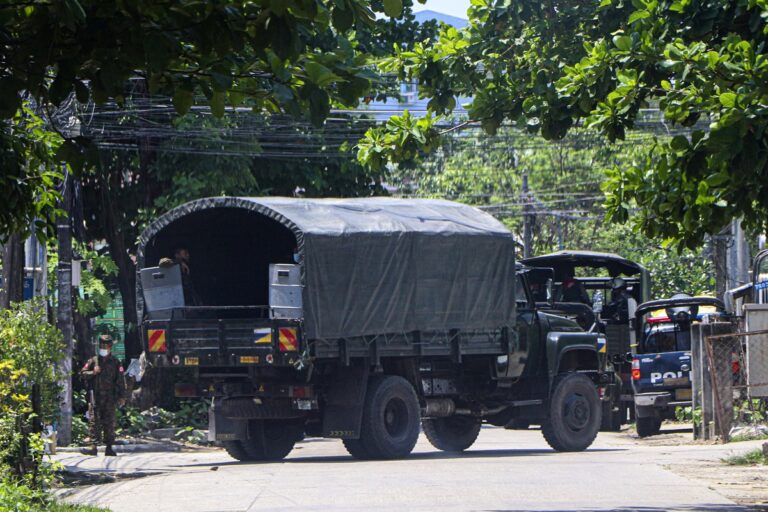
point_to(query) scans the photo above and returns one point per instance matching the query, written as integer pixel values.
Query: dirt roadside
(745, 485)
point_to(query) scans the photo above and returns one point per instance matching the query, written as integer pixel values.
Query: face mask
(295, 257)
(103, 352)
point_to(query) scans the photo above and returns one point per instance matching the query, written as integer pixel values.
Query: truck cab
(594, 274)
(661, 363)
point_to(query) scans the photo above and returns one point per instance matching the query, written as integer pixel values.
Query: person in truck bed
(181, 258)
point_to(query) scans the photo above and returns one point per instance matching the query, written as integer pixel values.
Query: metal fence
(738, 375)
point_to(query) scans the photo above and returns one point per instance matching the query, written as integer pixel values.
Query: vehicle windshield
(666, 339)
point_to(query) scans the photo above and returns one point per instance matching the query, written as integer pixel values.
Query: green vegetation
(16, 497)
(566, 199)
(29, 347)
(755, 457)
(548, 67)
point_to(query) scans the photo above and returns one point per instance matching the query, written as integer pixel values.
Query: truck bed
(237, 336)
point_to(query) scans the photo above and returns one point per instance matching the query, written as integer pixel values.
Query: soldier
(191, 297)
(106, 386)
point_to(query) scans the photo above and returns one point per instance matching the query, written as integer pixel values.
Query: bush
(29, 349)
(16, 497)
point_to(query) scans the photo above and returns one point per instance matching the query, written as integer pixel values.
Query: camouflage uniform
(108, 388)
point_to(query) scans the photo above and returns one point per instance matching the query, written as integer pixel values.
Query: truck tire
(391, 416)
(648, 426)
(356, 448)
(574, 414)
(236, 450)
(270, 439)
(452, 434)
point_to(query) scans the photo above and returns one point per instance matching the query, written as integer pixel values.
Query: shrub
(29, 349)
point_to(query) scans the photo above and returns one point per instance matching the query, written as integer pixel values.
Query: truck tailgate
(231, 342)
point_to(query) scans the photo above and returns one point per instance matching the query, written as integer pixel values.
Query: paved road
(504, 470)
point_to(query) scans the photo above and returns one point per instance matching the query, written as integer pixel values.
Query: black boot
(109, 452)
(89, 451)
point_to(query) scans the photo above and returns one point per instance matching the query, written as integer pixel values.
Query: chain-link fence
(738, 373)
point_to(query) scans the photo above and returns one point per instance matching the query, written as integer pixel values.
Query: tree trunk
(126, 270)
(12, 255)
(720, 262)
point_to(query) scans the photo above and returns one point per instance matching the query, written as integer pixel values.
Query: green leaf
(728, 99)
(319, 74)
(638, 15)
(393, 8)
(623, 43)
(182, 101)
(342, 19)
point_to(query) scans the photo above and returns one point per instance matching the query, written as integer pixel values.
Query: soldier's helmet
(105, 339)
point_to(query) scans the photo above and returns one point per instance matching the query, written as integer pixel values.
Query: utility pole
(64, 310)
(527, 219)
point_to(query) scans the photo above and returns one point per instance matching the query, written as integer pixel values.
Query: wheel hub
(576, 413)
(395, 417)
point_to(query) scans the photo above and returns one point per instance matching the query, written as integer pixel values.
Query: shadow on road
(683, 508)
(348, 459)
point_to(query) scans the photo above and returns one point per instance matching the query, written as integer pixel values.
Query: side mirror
(597, 303)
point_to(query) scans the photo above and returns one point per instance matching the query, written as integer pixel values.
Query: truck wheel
(517, 424)
(391, 416)
(271, 440)
(356, 448)
(648, 426)
(236, 450)
(453, 434)
(574, 414)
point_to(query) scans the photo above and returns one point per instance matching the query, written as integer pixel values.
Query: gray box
(285, 291)
(757, 349)
(162, 288)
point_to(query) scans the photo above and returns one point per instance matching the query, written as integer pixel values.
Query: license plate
(191, 361)
(249, 359)
(683, 394)
(680, 381)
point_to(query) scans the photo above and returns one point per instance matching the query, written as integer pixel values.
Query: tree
(564, 178)
(292, 56)
(548, 66)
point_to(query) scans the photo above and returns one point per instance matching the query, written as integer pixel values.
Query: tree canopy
(548, 66)
(296, 57)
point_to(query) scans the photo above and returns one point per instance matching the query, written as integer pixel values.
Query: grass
(66, 507)
(752, 458)
(740, 438)
(16, 497)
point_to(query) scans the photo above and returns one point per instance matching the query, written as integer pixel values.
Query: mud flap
(225, 429)
(343, 412)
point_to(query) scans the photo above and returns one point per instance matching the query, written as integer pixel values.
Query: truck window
(521, 295)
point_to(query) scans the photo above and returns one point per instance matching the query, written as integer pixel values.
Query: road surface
(503, 471)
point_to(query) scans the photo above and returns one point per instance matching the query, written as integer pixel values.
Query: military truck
(359, 319)
(594, 273)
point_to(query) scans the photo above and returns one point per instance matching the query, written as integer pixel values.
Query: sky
(456, 8)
